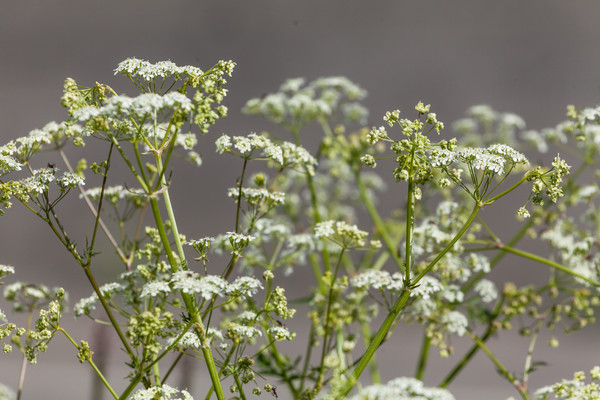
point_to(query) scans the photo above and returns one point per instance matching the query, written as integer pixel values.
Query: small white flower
(6, 269)
(70, 180)
(281, 333)
(156, 288)
(487, 290)
(426, 287)
(455, 322)
(189, 339)
(244, 286)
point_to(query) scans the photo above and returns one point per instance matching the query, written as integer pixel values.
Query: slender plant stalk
(501, 369)
(92, 364)
(425, 346)
(91, 207)
(379, 224)
(319, 382)
(399, 306)
(373, 366)
(491, 329)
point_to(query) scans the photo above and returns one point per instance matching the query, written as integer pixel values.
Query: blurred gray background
(528, 57)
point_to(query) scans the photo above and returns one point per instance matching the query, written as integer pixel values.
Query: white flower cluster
(402, 389)
(148, 71)
(341, 233)
(256, 196)
(574, 251)
(243, 286)
(238, 241)
(188, 340)
(35, 138)
(192, 283)
(280, 333)
(377, 279)
(573, 389)
(70, 180)
(377, 134)
(140, 107)
(5, 270)
(285, 154)
(455, 322)
(491, 159)
(270, 228)
(87, 304)
(113, 193)
(8, 164)
(487, 290)
(320, 98)
(164, 392)
(39, 292)
(237, 330)
(154, 289)
(206, 286)
(39, 181)
(426, 287)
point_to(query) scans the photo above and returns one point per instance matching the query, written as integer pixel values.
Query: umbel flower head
(345, 235)
(296, 104)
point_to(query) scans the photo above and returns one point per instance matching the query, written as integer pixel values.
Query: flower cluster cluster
(256, 197)
(492, 160)
(206, 287)
(296, 104)
(114, 194)
(164, 392)
(284, 155)
(146, 75)
(343, 234)
(402, 389)
(28, 298)
(573, 389)
(306, 215)
(140, 108)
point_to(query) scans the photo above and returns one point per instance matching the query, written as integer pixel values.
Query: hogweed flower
(295, 104)
(345, 235)
(255, 196)
(402, 388)
(164, 392)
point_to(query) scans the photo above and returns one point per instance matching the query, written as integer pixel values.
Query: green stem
(239, 386)
(379, 224)
(313, 200)
(89, 204)
(373, 367)
(448, 247)
(551, 263)
(491, 329)
(501, 369)
(410, 225)
(327, 321)
(92, 364)
(376, 341)
(109, 313)
(494, 261)
(189, 304)
(423, 358)
(507, 191)
(398, 306)
(527, 368)
(172, 219)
